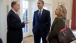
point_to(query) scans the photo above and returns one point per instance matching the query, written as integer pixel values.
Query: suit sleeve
(57, 27)
(13, 22)
(48, 21)
(33, 20)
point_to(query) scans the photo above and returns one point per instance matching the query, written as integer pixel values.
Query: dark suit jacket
(43, 24)
(1, 40)
(57, 25)
(14, 28)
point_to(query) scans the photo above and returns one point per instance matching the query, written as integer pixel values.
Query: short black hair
(13, 3)
(42, 1)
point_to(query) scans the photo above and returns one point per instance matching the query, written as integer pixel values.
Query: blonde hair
(63, 12)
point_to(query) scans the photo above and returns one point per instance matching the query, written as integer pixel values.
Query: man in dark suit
(41, 23)
(14, 25)
(1, 40)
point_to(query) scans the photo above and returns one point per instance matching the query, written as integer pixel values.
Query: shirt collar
(14, 11)
(41, 10)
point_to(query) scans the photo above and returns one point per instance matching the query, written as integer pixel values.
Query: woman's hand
(47, 39)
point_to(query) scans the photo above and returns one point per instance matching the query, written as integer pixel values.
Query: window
(45, 8)
(25, 14)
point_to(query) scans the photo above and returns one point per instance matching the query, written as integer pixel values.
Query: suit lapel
(54, 22)
(15, 15)
(37, 15)
(42, 12)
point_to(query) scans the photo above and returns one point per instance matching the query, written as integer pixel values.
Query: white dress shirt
(41, 11)
(14, 11)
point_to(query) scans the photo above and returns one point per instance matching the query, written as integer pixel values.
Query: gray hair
(13, 3)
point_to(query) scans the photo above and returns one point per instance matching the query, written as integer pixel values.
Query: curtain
(73, 26)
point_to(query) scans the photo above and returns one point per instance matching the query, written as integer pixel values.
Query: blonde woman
(57, 25)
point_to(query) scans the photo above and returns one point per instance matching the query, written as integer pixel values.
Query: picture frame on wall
(62, 3)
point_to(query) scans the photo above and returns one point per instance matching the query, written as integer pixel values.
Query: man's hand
(47, 38)
(26, 22)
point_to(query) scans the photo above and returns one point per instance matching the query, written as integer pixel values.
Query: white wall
(3, 20)
(68, 4)
(48, 1)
